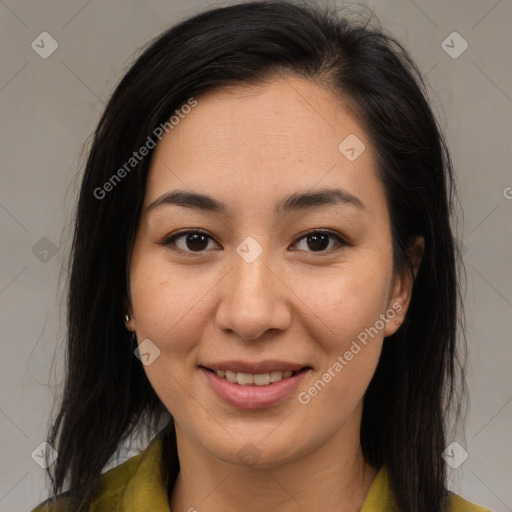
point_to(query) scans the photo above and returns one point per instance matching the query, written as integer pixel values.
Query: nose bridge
(252, 303)
(252, 276)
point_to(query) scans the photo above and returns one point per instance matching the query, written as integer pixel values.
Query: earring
(127, 318)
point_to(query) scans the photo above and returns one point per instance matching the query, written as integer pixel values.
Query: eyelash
(170, 240)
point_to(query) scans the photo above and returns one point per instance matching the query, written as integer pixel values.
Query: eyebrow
(293, 202)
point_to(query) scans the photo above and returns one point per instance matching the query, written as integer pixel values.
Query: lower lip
(253, 397)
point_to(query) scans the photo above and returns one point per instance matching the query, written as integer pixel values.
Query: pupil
(196, 242)
(318, 241)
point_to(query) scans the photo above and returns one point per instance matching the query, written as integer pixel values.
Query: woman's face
(253, 293)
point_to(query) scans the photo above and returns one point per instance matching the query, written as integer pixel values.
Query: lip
(252, 396)
(266, 366)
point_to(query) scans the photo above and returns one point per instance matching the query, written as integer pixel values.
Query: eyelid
(333, 234)
(170, 240)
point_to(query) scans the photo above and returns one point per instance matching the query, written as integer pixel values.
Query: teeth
(260, 379)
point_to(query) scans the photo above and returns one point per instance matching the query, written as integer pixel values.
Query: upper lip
(266, 366)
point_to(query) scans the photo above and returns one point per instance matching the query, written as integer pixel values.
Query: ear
(402, 287)
(130, 325)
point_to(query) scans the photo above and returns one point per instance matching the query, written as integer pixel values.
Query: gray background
(49, 107)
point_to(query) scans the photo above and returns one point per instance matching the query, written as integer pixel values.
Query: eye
(188, 241)
(319, 241)
(197, 241)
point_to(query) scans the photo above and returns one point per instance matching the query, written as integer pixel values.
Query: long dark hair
(107, 396)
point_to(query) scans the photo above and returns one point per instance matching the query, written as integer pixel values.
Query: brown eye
(318, 241)
(188, 241)
(196, 241)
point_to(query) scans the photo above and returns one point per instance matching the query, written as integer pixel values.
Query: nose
(253, 300)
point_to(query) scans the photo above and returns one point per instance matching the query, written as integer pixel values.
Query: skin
(249, 146)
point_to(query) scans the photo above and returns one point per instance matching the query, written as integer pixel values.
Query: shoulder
(459, 504)
(60, 503)
(380, 498)
(111, 485)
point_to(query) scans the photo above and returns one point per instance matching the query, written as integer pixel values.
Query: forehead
(264, 140)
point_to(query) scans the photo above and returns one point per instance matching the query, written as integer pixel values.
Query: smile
(258, 379)
(253, 391)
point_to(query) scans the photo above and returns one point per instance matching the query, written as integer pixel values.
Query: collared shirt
(140, 485)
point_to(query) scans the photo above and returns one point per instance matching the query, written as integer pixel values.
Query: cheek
(346, 325)
(169, 305)
(342, 305)
(170, 311)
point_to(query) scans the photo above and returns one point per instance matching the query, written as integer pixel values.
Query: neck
(334, 476)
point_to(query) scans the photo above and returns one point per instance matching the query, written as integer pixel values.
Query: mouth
(255, 379)
(243, 390)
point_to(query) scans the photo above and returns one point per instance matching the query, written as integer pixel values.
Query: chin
(253, 451)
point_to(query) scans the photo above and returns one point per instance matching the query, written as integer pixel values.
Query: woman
(266, 209)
